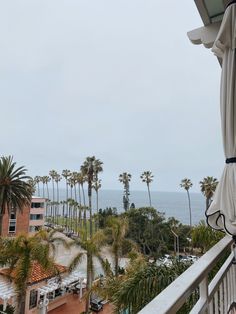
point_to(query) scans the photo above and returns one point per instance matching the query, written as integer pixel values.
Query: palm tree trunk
(116, 264)
(58, 204)
(96, 223)
(20, 307)
(149, 195)
(208, 202)
(89, 280)
(38, 189)
(190, 211)
(1, 218)
(90, 208)
(82, 186)
(43, 191)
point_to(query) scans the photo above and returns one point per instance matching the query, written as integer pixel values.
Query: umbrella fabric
(221, 215)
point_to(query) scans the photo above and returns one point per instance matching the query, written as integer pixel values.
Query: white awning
(6, 290)
(66, 282)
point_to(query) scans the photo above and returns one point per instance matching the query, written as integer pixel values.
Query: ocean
(172, 204)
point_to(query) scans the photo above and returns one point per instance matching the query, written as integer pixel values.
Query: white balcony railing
(214, 298)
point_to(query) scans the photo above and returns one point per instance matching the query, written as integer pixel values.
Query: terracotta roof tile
(37, 273)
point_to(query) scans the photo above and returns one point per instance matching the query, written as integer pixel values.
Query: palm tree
(147, 177)
(187, 184)
(52, 239)
(53, 174)
(91, 167)
(119, 228)
(20, 254)
(15, 192)
(96, 186)
(125, 179)
(57, 180)
(208, 186)
(92, 249)
(81, 179)
(46, 180)
(66, 174)
(141, 282)
(32, 184)
(37, 180)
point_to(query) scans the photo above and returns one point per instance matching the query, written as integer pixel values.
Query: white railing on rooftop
(214, 298)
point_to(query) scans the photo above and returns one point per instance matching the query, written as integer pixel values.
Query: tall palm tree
(92, 250)
(37, 180)
(32, 184)
(125, 179)
(147, 177)
(187, 184)
(96, 186)
(20, 255)
(57, 180)
(53, 174)
(47, 179)
(66, 174)
(81, 179)
(208, 186)
(15, 192)
(91, 167)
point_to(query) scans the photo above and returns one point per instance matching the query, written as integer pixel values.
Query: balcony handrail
(174, 296)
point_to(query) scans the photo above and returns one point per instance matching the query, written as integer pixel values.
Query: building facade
(31, 219)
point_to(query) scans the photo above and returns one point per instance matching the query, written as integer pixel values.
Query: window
(12, 227)
(33, 299)
(13, 216)
(36, 216)
(37, 205)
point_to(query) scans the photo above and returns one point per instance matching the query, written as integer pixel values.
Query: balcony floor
(75, 306)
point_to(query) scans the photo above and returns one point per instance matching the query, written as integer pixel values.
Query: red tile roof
(37, 272)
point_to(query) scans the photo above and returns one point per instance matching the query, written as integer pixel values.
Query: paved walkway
(75, 306)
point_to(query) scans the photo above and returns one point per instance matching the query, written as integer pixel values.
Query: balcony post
(203, 290)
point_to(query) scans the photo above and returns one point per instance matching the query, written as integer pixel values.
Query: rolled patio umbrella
(221, 215)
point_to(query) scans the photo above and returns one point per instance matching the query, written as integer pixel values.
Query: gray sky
(115, 79)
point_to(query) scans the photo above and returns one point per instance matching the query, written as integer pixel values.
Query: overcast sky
(115, 79)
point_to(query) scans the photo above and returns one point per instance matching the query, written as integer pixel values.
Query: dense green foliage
(141, 283)
(204, 237)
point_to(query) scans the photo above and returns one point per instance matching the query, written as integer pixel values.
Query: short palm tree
(147, 177)
(208, 186)
(125, 179)
(52, 238)
(119, 228)
(187, 184)
(20, 254)
(92, 249)
(15, 192)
